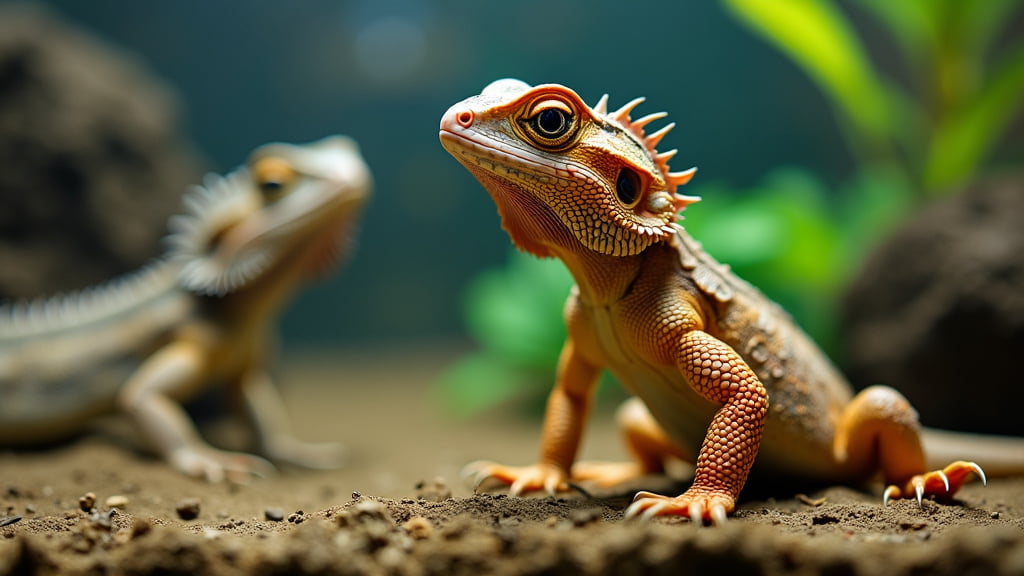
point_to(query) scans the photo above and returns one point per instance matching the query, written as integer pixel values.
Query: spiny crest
(33, 318)
(650, 142)
(210, 209)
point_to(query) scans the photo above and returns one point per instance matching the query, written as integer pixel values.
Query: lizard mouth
(494, 157)
(501, 158)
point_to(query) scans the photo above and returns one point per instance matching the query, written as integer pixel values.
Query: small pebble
(87, 501)
(585, 516)
(140, 527)
(419, 528)
(116, 501)
(187, 508)
(274, 514)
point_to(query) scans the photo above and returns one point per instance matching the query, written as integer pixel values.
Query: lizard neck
(602, 280)
(261, 300)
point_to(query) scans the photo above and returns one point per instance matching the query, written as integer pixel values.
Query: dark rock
(93, 163)
(938, 311)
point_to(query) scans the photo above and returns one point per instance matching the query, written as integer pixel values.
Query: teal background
(384, 72)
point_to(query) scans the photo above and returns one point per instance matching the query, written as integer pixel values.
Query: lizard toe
(941, 484)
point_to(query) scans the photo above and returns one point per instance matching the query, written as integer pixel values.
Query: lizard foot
(522, 479)
(939, 483)
(699, 505)
(216, 465)
(315, 456)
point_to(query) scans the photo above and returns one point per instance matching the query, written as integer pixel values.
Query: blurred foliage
(965, 78)
(796, 238)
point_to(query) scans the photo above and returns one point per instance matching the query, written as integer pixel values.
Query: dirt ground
(400, 506)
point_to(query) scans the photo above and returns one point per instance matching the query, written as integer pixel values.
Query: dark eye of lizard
(627, 187)
(552, 123)
(271, 186)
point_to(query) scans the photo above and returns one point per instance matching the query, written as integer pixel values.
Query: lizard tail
(997, 455)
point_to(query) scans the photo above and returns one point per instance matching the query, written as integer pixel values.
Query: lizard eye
(627, 187)
(272, 176)
(551, 123)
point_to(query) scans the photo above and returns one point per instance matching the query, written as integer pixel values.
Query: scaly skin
(200, 316)
(723, 377)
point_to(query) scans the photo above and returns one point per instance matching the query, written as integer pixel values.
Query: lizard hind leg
(647, 443)
(879, 432)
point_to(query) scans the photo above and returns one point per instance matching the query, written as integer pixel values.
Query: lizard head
(288, 202)
(562, 172)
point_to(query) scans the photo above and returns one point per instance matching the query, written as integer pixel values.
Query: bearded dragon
(200, 315)
(721, 376)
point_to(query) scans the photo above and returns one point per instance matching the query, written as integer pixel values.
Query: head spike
(641, 122)
(652, 140)
(682, 201)
(622, 114)
(680, 178)
(663, 158)
(602, 105)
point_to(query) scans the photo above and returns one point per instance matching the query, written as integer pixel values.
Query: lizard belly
(682, 413)
(793, 443)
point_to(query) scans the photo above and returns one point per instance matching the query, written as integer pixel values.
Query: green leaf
(817, 37)
(961, 144)
(516, 311)
(910, 24)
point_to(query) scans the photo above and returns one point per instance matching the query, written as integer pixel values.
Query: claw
(919, 491)
(517, 488)
(551, 486)
(945, 479)
(654, 511)
(719, 516)
(472, 473)
(635, 509)
(890, 493)
(981, 473)
(697, 513)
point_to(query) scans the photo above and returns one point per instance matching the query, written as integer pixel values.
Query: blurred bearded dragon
(201, 315)
(722, 377)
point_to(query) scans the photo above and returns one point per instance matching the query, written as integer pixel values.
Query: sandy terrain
(400, 507)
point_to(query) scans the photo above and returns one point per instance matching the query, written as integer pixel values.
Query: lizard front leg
(720, 375)
(264, 408)
(879, 429)
(150, 398)
(566, 413)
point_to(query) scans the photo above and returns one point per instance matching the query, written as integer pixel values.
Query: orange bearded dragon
(722, 377)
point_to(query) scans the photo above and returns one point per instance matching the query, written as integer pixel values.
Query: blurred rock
(938, 311)
(93, 163)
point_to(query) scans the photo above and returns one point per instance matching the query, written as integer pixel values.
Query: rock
(188, 508)
(93, 161)
(116, 501)
(937, 311)
(87, 501)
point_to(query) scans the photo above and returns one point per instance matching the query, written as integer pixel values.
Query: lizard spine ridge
(27, 319)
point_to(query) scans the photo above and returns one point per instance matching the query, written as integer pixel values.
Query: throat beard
(529, 223)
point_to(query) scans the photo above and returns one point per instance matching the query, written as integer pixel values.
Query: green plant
(962, 91)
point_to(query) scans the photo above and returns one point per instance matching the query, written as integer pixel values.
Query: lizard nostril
(465, 118)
